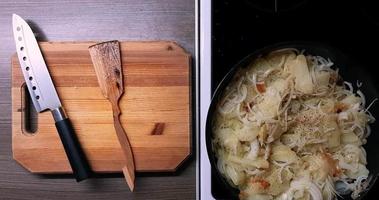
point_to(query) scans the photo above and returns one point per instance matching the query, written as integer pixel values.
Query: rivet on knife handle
(44, 95)
(107, 62)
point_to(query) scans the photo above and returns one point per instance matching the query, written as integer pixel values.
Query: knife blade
(44, 95)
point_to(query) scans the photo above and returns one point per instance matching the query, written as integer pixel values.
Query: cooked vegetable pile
(288, 127)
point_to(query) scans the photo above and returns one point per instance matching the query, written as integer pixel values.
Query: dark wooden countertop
(84, 20)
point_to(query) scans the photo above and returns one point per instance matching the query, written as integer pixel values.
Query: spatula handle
(129, 168)
(74, 152)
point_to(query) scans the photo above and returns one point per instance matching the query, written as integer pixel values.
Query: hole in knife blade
(19, 38)
(21, 48)
(30, 78)
(24, 58)
(34, 87)
(29, 113)
(18, 28)
(27, 68)
(37, 97)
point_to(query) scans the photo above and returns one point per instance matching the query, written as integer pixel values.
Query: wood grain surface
(143, 106)
(70, 20)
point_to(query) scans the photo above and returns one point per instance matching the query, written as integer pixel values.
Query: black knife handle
(74, 152)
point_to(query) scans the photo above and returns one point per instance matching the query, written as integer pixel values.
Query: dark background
(241, 27)
(70, 20)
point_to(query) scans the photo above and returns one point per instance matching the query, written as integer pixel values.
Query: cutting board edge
(90, 42)
(16, 157)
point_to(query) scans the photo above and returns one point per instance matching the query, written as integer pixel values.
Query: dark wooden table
(70, 20)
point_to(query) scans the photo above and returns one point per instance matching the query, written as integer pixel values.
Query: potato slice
(260, 162)
(247, 134)
(279, 85)
(350, 138)
(236, 176)
(228, 139)
(282, 153)
(351, 100)
(331, 126)
(334, 139)
(298, 68)
(322, 78)
(275, 131)
(251, 193)
(269, 107)
(360, 171)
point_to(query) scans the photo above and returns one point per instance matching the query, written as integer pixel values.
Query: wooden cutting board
(157, 90)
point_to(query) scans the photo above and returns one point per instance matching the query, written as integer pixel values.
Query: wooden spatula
(107, 62)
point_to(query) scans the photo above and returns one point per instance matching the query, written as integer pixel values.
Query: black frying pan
(350, 70)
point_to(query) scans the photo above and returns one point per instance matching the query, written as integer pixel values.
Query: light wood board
(157, 90)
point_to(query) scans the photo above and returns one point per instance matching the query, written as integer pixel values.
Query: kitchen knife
(44, 95)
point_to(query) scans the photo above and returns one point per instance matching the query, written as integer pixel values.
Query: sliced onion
(372, 103)
(363, 98)
(343, 116)
(368, 131)
(312, 188)
(350, 86)
(364, 155)
(347, 166)
(342, 188)
(359, 84)
(254, 150)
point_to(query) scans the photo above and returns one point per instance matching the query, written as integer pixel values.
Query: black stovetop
(239, 27)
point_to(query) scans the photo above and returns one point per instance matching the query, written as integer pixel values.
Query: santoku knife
(44, 95)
